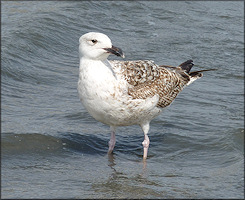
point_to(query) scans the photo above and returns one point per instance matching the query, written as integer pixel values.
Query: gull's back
(146, 79)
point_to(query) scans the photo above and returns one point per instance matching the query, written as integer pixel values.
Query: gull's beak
(115, 50)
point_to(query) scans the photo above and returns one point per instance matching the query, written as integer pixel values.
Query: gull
(124, 93)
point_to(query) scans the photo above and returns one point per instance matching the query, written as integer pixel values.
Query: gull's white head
(97, 46)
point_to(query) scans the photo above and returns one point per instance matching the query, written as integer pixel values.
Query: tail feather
(187, 65)
(192, 76)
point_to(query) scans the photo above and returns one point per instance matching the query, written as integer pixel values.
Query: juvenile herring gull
(124, 93)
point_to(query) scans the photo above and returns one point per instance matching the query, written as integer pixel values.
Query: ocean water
(52, 148)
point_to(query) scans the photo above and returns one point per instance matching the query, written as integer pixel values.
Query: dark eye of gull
(94, 41)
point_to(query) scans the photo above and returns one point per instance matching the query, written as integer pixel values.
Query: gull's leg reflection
(114, 174)
(111, 164)
(144, 165)
(111, 160)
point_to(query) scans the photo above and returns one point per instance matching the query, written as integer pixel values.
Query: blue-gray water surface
(52, 148)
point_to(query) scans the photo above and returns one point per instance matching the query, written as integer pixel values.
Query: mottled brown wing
(147, 79)
(137, 72)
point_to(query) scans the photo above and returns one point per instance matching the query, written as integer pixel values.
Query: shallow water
(52, 148)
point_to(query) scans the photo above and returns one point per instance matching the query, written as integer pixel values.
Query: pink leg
(112, 141)
(146, 142)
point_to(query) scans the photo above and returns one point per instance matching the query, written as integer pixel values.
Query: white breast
(105, 96)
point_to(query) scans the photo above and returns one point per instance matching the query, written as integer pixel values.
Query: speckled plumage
(147, 79)
(123, 93)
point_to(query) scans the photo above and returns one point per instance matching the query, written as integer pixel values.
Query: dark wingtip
(187, 65)
(199, 72)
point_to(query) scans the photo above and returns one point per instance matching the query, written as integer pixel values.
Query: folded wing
(146, 79)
